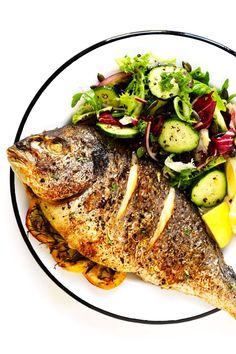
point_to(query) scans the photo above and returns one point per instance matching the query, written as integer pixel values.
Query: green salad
(170, 114)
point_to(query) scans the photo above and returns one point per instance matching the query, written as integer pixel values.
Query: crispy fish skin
(82, 205)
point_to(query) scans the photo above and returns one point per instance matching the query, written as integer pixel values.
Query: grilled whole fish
(82, 181)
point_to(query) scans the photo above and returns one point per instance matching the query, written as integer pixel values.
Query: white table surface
(36, 38)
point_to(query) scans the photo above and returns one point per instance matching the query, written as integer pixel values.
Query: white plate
(134, 300)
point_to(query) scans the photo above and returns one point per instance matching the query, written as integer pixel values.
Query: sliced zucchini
(210, 190)
(157, 86)
(118, 132)
(178, 136)
(107, 95)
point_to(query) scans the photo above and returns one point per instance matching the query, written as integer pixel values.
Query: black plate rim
(17, 138)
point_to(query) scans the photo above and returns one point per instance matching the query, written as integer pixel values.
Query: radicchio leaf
(157, 126)
(107, 118)
(224, 143)
(205, 107)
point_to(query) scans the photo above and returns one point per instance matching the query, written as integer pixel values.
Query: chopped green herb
(165, 83)
(142, 126)
(143, 231)
(187, 232)
(140, 151)
(114, 187)
(186, 275)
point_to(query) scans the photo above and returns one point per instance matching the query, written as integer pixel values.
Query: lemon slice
(218, 223)
(232, 215)
(230, 170)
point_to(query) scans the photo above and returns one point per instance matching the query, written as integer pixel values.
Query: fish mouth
(15, 157)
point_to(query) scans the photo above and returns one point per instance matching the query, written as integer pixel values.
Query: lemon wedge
(166, 214)
(218, 223)
(131, 186)
(230, 170)
(232, 215)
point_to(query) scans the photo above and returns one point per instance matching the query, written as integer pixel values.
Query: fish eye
(55, 145)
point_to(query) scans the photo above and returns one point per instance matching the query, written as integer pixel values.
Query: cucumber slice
(118, 132)
(210, 190)
(107, 95)
(155, 77)
(178, 136)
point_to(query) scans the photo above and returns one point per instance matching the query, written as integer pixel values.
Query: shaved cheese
(165, 216)
(131, 186)
(126, 120)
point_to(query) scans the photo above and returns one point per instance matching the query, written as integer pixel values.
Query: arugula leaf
(225, 86)
(200, 88)
(90, 98)
(214, 162)
(91, 101)
(76, 98)
(186, 178)
(198, 75)
(231, 97)
(219, 102)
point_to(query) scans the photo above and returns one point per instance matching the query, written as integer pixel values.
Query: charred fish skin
(183, 257)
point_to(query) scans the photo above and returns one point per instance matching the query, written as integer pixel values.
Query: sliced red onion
(113, 79)
(141, 100)
(147, 142)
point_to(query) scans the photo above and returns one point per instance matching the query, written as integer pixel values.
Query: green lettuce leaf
(186, 178)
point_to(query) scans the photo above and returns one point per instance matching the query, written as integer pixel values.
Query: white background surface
(36, 38)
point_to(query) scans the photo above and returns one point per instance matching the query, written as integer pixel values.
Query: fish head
(60, 163)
